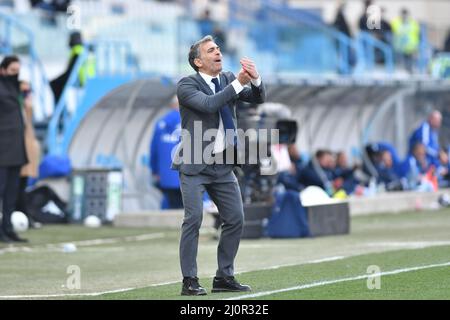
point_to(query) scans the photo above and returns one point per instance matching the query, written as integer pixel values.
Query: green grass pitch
(411, 250)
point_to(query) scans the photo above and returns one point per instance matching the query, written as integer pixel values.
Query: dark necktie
(227, 118)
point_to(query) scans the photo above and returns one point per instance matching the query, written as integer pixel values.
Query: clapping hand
(250, 68)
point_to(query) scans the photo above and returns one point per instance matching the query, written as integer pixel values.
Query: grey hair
(194, 52)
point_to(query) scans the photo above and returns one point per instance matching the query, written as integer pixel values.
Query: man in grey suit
(205, 161)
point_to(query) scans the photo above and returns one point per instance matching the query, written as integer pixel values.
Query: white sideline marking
(15, 249)
(37, 296)
(324, 283)
(159, 284)
(328, 259)
(174, 282)
(294, 264)
(92, 294)
(94, 242)
(255, 295)
(409, 244)
(85, 243)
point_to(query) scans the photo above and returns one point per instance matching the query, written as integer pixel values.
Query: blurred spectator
(387, 174)
(87, 69)
(447, 43)
(341, 24)
(30, 170)
(444, 169)
(208, 26)
(50, 9)
(286, 166)
(165, 137)
(12, 144)
(385, 32)
(295, 156)
(428, 135)
(345, 172)
(341, 161)
(417, 169)
(439, 65)
(365, 17)
(381, 30)
(220, 38)
(320, 172)
(205, 23)
(55, 5)
(406, 36)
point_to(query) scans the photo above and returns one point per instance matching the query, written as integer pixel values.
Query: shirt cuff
(256, 82)
(237, 86)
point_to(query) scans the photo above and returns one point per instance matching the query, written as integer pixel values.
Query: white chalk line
(409, 244)
(325, 283)
(295, 264)
(327, 259)
(84, 243)
(93, 294)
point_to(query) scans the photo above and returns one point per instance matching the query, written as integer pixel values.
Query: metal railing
(370, 45)
(111, 58)
(349, 54)
(354, 55)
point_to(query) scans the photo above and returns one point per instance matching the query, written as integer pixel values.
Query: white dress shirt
(219, 144)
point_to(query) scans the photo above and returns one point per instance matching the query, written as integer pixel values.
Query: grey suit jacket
(199, 109)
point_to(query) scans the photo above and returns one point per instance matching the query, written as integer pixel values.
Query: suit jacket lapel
(223, 80)
(206, 88)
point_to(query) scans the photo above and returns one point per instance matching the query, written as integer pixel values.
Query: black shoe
(14, 237)
(228, 284)
(191, 287)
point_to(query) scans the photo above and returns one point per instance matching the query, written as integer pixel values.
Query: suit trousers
(9, 190)
(222, 186)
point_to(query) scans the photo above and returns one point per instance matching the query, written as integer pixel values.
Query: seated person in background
(417, 169)
(288, 164)
(428, 135)
(443, 170)
(344, 171)
(386, 172)
(295, 156)
(320, 172)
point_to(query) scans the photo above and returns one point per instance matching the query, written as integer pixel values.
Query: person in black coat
(340, 22)
(57, 85)
(12, 144)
